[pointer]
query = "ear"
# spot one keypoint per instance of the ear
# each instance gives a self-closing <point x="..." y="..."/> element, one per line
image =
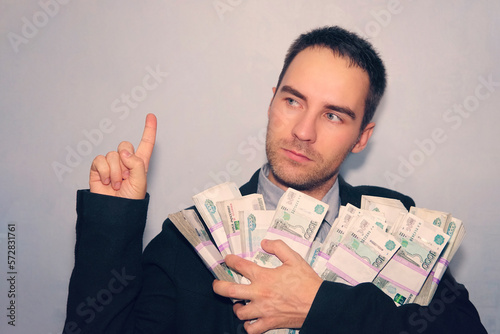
<point x="363" y="138"/>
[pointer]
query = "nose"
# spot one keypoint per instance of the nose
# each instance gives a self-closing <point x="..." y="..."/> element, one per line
<point x="305" y="128"/>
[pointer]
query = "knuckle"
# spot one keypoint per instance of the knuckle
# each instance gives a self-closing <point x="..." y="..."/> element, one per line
<point x="240" y="313"/>
<point x="98" y="159"/>
<point x="232" y="291"/>
<point x="267" y="294"/>
<point x="125" y="144"/>
<point x="262" y="274"/>
<point x="281" y="244"/>
<point x="99" y="164"/>
<point x="111" y="154"/>
<point x="257" y="327"/>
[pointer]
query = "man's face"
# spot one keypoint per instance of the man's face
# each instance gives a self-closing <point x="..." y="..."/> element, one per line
<point x="315" y="119"/>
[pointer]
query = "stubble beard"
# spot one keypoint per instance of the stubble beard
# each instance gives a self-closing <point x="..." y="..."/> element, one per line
<point x="306" y="179"/>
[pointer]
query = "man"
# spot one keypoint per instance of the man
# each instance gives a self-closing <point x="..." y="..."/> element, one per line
<point x="326" y="95"/>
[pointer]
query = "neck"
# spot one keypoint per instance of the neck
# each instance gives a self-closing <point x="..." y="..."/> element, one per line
<point x="317" y="192"/>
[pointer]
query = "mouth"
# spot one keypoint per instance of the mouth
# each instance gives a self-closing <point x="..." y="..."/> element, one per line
<point x="296" y="156"/>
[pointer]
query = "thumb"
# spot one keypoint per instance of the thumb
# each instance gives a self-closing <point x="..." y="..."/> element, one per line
<point x="135" y="165"/>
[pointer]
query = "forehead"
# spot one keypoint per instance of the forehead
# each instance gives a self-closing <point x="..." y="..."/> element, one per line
<point x="321" y="75"/>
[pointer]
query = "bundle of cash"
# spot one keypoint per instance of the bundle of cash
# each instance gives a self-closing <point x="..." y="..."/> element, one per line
<point x="391" y="208"/>
<point x="334" y="236"/>
<point x="455" y="229"/>
<point x="341" y="226"/>
<point x="296" y="222"/>
<point x="421" y="245"/>
<point x="403" y="253"/>
<point x="253" y="226"/>
<point x="313" y="254"/>
<point x="206" y="202"/>
<point x="188" y="223"/>
<point x="229" y="211"/>
<point x="362" y="253"/>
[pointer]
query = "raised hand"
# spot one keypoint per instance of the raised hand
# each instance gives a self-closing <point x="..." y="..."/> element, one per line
<point x="279" y="297"/>
<point x="123" y="173"/>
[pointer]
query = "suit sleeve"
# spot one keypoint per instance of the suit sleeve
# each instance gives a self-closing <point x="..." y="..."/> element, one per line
<point x="116" y="288"/>
<point x="107" y="275"/>
<point x="364" y="308"/>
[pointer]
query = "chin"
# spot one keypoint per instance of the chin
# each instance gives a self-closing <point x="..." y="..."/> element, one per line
<point x="302" y="179"/>
<point x="296" y="180"/>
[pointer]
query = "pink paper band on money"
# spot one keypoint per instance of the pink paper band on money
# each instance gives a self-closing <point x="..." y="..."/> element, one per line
<point x="290" y="236"/>
<point x="409" y="265"/>
<point x="434" y="278"/>
<point x="342" y="274"/>
<point x="216" y="227"/>
<point x="203" y="245"/>
<point x="216" y="264"/>
<point x="323" y="255"/>
<point x="223" y="246"/>
<point x="444" y="261"/>
<point x="205" y="249"/>
<point x="235" y="234"/>
<point x="398" y="284"/>
<point x="344" y="247"/>
<point x="440" y="268"/>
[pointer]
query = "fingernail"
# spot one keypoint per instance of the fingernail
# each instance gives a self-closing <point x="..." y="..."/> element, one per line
<point x="106" y="181"/>
<point x="117" y="185"/>
<point x="126" y="153"/>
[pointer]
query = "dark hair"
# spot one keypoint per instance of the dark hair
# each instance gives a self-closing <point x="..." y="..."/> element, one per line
<point x="358" y="51"/>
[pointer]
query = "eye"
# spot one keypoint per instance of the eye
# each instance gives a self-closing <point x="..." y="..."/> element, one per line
<point x="333" y="117"/>
<point x="292" y="102"/>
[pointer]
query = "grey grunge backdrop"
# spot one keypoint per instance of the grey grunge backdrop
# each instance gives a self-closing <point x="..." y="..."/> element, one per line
<point x="78" y="77"/>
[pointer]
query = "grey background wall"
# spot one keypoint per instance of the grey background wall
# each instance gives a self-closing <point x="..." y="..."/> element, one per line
<point x="77" y="77"/>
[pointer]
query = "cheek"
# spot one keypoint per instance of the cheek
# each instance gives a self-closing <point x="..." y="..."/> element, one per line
<point x="279" y="122"/>
<point x="337" y="142"/>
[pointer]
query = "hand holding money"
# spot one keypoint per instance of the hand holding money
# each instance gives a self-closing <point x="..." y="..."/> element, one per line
<point x="279" y="297"/>
<point x="384" y="244"/>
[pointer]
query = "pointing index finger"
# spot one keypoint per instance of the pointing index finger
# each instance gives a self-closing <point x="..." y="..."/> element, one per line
<point x="145" y="148"/>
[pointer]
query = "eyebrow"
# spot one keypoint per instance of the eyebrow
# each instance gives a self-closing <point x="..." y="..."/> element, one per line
<point x="344" y="110"/>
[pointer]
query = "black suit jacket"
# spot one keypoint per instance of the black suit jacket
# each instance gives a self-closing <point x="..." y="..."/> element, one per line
<point x="115" y="288"/>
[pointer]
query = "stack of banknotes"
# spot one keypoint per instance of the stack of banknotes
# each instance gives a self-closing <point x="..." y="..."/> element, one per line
<point x="405" y="254"/>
